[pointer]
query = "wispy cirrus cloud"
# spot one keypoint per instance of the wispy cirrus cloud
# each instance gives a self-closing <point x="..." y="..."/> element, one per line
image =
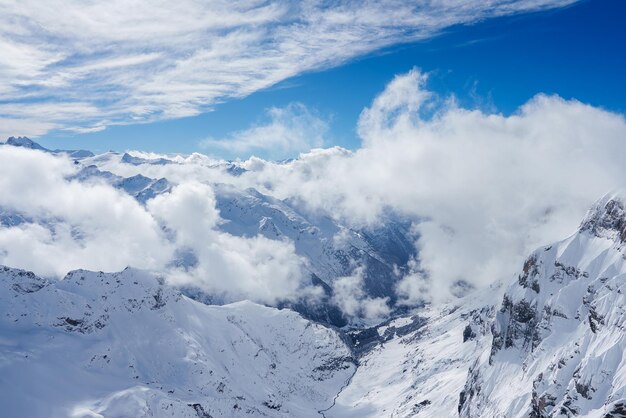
<point x="120" y="62"/>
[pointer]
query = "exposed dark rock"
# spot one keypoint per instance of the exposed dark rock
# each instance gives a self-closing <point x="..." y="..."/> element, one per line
<point x="468" y="333"/>
<point x="516" y="324"/>
<point x="73" y="322"/>
<point x="337" y="363"/>
<point x="541" y="404"/>
<point x="29" y="286"/>
<point x="272" y="405"/>
<point x="583" y="390"/>
<point x="159" y="300"/>
<point x="420" y="406"/>
<point x="618" y="410"/>
<point x="81" y="325"/>
<point x="529" y="273"/>
<point x="471" y="390"/>
<point x="610" y="217"/>
<point x="563" y="272"/>
<point x="200" y="410"/>
<point x="363" y="340"/>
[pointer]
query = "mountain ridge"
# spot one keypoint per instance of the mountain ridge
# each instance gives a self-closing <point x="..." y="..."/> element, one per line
<point x="548" y="343"/>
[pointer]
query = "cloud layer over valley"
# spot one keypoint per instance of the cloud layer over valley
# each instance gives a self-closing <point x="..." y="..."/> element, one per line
<point x="481" y="190"/>
<point x="54" y="224"/>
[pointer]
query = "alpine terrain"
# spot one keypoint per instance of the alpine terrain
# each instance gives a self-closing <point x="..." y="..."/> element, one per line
<point x="549" y="343"/>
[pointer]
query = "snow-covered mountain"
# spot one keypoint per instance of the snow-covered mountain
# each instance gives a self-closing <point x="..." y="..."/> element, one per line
<point x="553" y="347"/>
<point x="24" y="142"/>
<point x="558" y="337"/>
<point x="549" y="343"/>
<point x="126" y="345"/>
<point x="383" y="252"/>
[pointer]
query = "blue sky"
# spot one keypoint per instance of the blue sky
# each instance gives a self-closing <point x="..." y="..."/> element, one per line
<point x="576" y="51"/>
<point x="277" y="77"/>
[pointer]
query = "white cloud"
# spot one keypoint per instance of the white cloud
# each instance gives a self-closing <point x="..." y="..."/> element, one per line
<point x="70" y="225"/>
<point x="349" y="296"/>
<point x="233" y="267"/>
<point x="484" y="188"/>
<point x="289" y="131"/>
<point x="123" y="61"/>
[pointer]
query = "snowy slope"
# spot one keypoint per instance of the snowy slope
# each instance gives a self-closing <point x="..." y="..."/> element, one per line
<point x="418" y="364"/>
<point x="249" y="213"/>
<point x="120" y="345"/>
<point x="554" y="346"/>
<point x="559" y="335"/>
<point x="331" y="249"/>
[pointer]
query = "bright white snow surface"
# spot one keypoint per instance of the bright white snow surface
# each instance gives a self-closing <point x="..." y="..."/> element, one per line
<point x="124" y="345"/>
<point x="420" y="373"/>
<point x="128" y="345"/>
<point x="559" y="336"/>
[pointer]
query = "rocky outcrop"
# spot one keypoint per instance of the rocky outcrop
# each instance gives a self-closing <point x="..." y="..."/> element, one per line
<point x="558" y="336"/>
<point x="607" y="219"/>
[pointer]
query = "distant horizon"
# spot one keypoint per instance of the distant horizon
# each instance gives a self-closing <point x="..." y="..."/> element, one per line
<point x="312" y="208"/>
<point x="493" y="64"/>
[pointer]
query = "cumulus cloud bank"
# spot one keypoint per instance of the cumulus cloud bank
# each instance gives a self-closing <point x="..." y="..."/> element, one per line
<point x="259" y="268"/>
<point x="482" y="190"/>
<point x="80" y="66"/>
<point x="64" y="224"/>
<point x="70" y="225"/>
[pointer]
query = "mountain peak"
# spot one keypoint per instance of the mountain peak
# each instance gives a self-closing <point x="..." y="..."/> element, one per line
<point x="24" y="142"/>
<point x="130" y="159"/>
<point x="607" y="217"/>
